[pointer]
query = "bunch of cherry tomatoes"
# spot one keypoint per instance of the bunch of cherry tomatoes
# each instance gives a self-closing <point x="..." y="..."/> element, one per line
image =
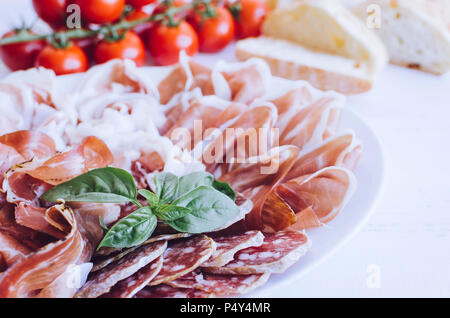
<point x="172" y="26"/>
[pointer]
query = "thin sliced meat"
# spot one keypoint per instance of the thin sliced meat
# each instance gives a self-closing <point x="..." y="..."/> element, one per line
<point x="90" y="154"/>
<point x="35" y="218"/>
<point x="183" y="257"/>
<point x="278" y="252"/>
<point x="227" y="246"/>
<point x="106" y="251"/>
<point x="103" y="280"/>
<point x="33" y="274"/>
<point x="166" y="291"/>
<point x="258" y="180"/>
<point x="9" y="157"/>
<point x="30" y="144"/>
<point x="341" y="151"/>
<point x="11" y="250"/>
<point x="221" y="285"/>
<point x="21" y="187"/>
<point x="317" y="198"/>
<point x="130" y="286"/>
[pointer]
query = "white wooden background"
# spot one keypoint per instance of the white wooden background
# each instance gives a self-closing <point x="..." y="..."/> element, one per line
<point x="404" y="251"/>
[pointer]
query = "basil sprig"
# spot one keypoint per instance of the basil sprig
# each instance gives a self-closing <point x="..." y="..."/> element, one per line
<point x="194" y="203"/>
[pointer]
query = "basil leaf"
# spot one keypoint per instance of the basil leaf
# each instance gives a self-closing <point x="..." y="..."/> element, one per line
<point x="166" y="185"/>
<point x="210" y="208"/>
<point x="132" y="230"/>
<point x="102" y="224"/>
<point x="151" y="197"/>
<point x="225" y="188"/>
<point x="192" y="181"/>
<point x="170" y="212"/>
<point x="103" y="185"/>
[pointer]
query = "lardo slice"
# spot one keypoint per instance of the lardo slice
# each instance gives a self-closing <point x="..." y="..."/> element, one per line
<point x="278" y="252"/>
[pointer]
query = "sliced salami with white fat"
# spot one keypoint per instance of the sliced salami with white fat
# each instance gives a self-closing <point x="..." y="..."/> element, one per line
<point x="278" y="252"/>
<point x="128" y="287"/>
<point x="101" y="281"/>
<point x="166" y="291"/>
<point x="184" y="256"/>
<point x="227" y="246"/>
<point x="221" y="285"/>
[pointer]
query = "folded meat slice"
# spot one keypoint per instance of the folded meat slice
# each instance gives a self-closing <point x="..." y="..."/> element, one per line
<point x="278" y="252"/>
<point x="30" y="144"/>
<point x="11" y="250"/>
<point x="340" y="151"/>
<point x="33" y="274"/>
<point x="183" y="257"/>
<point x="316" y="198"/>
<point x="221" y="285"/>
<point x="103" y="280"/>
<point x="258" y="177"/>
<point x="166" y="291"/>
<point x="227" y="246"/>
<point x="9" y="157"/>
<point x="130" y="286"/>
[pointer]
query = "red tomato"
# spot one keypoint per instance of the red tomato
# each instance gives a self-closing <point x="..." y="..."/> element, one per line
<point x="86" y="44"/>
<point x="63" y="61"/>
<point x="214" y="33"/>
<point x="140" y="3"/>
<point x="166" y="42"/>
<point x="250" y="18"/>
<point x="20" y="56"/>
<point x="100" y="11"/>
<point x="163" y="6"/>
<point x="141" y="29"/>
<point x="51" y="11"/>
<point x="130" y="47"/>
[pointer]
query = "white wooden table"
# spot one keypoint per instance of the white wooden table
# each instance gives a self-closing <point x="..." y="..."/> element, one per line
<point x="404" y="251"/>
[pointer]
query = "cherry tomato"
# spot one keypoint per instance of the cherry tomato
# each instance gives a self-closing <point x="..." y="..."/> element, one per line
<point x="51" y="11"/>
<point x="250" y="17"/>
<point x="141" y="29"/>
<point x="129" y="47"/>
<point x="140" y="3"/>
<point x="164" y="5"/>
<point x="87" y="45"/>
<point x="214" y="33"/>
<point x="100" y="11"/>
<point x="63" y="61"/>
<point x="166" y="42"/>
<point x="20" y="56"/>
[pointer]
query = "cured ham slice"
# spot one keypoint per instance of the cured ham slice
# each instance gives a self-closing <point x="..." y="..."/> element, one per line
<point x="9" y="157"/>
<point x="30" y="144"/>
<point x="183" y="257"/>
<point x="221" y="285"/>
<point x="317" y="198"/>
<point x="227" y="246"/>
<point x="128" y="287"/>
<point x="31" y="275"/>
<point x="341" y="151"/>
<point x="12" y="250"/>
<point x="166" y="291"/>
<point x="258" y="180"/>
<point x="102" y="281"/>
<point x="278" y="252"/>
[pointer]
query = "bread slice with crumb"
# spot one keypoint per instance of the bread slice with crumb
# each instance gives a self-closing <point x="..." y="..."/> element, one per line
<point x="416" y="33"/>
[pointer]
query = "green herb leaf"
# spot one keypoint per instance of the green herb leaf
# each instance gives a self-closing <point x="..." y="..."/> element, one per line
<point x="132" y="230"/>
<point x="166" y="185"/>
<point x="192" y="181"/>
<point x="151" y="197"/>
<point x="103" y="185"/>
<point x="225" y="188"/>
<point x="170" y="212"/>
<point x="211" y="210"/>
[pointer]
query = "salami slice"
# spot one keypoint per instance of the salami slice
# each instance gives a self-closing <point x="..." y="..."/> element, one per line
<point x="128" y="287"/>
<point x="183" y="257"/>
<point x="105" y="251"/>
<point x="221" y="285"/>
<point x="278" y="252"/>
<point x="166" y="291"/>
<point x="227" y="246"/>
<point x="102" y="280"/>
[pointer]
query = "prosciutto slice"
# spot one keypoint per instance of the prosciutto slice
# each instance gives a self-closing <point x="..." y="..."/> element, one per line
<point x="30" y="276"/>
<point x="30" y="144"/>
